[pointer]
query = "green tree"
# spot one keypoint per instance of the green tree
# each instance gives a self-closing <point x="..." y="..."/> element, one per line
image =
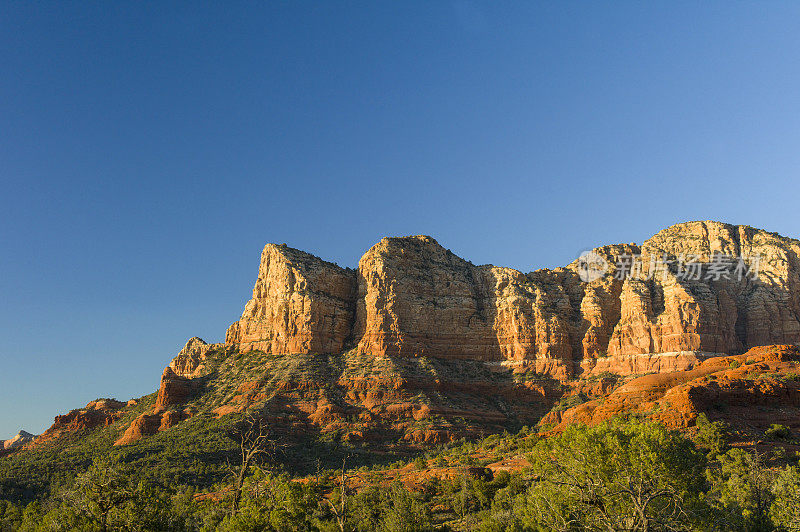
<point x="741" y="489"/>
<point x="10" y="516"/>
<point x="633" y="476"/>
<point x="712" y="435"/>
<point x="778" y="432"/>
<point x="366" y="509"/>
<point x="785" y="509"/>
<point x="404" y="512"/>
<point x="99" y="495"/>
<point x="272" y="503"/>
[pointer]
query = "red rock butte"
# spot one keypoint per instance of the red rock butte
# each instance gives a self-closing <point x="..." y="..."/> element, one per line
<point x="417" y="337"/>
<point x="411" y="297"/>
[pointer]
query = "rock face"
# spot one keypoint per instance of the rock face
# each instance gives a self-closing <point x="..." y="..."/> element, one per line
<point x="149" y="424"/>
<point x="190" y="360"/>
<point x="411" y="297"/>
<point x="19" y="440"/>
<point x="174" y="390"/>
<point x="98" y="413"/>
<point x="416" y="344"/>
<point x="712" y="315"/>
<point x="417" y="299"/>
<point x="300" y="304"/>
<point x="177" y="387"/>
<point x="749" y="391"/>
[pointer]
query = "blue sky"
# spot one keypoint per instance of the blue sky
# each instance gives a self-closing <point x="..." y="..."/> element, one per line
<point x="149" y="150"/>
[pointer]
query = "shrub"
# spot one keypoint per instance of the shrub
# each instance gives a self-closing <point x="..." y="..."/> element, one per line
<point x="778" y="432"/>
<point x="569" y="402"/>
<point x="712" y="435"/>
<point x="785" y="510"/>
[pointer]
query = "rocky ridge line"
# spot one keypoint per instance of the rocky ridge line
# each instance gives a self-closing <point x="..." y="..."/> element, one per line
<point x="411" y="297"/>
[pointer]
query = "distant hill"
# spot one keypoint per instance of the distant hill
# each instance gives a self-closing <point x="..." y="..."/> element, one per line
<point x="19" y="440"/>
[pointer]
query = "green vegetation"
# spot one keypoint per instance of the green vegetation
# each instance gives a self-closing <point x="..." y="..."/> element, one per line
<point x="194" y="455"/>
<point x="778" y="432"/>
<point x="242" y="473"/>
<point x="605" y="375"/>
<point x="629" y="475"/>
<point x="713" y="436"/>
<point x="569" y="402"/>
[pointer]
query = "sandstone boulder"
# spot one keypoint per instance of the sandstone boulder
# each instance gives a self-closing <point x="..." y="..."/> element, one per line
<point x="174" y="390"/>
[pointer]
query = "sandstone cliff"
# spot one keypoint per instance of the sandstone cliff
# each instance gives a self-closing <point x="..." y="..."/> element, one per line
<point x="411" y="297"/>
<point x="300" y="304"/>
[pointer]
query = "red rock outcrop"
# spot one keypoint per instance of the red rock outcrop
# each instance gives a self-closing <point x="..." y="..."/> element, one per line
<point x="416" y="298"/>
<point x="411" y="298"/>
<point x="144" y="425"/>
<point x="190" y="361"/>
<point x="151" y="423"/>
<point x="99" y="413"/>
<point x="724" y="315"/>
<point x="386" y="351"/>
<point x="174" y="390"/>
<point x="300" y="304"/>
<point x="751" y="390"/>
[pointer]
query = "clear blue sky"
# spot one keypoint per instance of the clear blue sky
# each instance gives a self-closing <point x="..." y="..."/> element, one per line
<point x="149" y="150"/>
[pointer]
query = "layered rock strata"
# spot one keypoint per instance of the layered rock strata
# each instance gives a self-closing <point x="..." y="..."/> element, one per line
<point x="300" y="304"/>
<point x="411" y="297"/>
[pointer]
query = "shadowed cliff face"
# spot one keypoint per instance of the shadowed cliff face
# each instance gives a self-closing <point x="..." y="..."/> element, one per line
<point x="411" y="297"/>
